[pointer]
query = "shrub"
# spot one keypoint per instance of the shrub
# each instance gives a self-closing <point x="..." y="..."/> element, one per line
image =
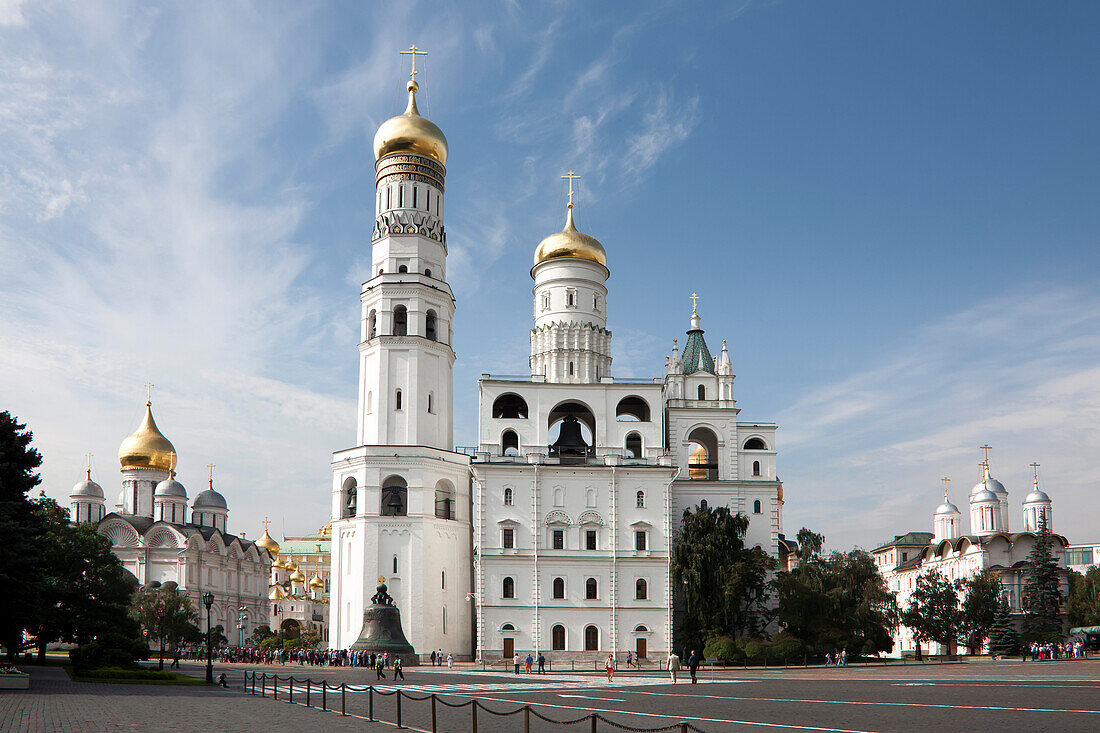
<point x="109" y="650"/>
<point x="722" y="647"/>
<point x="118" y="673"/>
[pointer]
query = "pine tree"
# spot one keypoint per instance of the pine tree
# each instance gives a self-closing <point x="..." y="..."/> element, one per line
<point x="20" y="533"/>
<point x="1042" y="595"/>
<point x="1003" y="637"/>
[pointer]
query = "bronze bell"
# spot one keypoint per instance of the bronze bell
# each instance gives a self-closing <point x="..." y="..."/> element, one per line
<point x="570" y="441"/>
<point x="382" y="630"/>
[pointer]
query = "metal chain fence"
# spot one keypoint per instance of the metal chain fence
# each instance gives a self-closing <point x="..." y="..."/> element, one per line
<point x="265" y="684"/>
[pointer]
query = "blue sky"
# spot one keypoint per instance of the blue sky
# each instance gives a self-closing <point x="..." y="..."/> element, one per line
<point x="888" y="209"/>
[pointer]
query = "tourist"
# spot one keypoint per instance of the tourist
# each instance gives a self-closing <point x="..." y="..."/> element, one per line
<point x="379" y="668"/>
<point x="450" y="661"/>
<point x="629" y="659"/>
<point x="527" y="664"/>
<point x="439" y="657"/>
<point x="515" y="662"/>
<point x="433" y="657"/>
<point x="673" y="666"/>
<point x="542" y="664"/>
<point x="693" y="665"/>
<point x="397" y="669"/>
<point x="222" y="681"/>
<point x="609" y="666"/>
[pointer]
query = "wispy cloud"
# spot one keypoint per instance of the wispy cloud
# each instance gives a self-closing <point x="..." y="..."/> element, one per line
<point x="665" y="125"/>
<point x="878" y="440"/>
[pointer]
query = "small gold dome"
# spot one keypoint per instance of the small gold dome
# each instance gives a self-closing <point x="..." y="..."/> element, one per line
<point x="570" y="243"/>
<point x="268" y="543"/>
<point x="297" y="576"/>
<point x="410" y="133"/>
<point x="276" y="593"/>
<point x="147" y="447"/>
<point x="316" y="582"/>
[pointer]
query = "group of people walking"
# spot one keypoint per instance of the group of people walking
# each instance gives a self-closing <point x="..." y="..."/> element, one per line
<point x="438" y="659"/>
<point x="674" y="664"/>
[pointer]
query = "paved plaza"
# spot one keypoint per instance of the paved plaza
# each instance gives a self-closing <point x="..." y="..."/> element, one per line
<point x="975" y="696"/>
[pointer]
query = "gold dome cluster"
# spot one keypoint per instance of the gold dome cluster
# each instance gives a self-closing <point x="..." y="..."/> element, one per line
<point x="410" y="133"/>
<point x="147" y="447"/>
<point x="570" y="243"/>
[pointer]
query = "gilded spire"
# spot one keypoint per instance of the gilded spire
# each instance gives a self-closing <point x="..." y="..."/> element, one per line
<point x="147" y="447"/>
<point x="1035" y="468"/>
<point x="410" y="132"/>
<point x="945" y="482"/>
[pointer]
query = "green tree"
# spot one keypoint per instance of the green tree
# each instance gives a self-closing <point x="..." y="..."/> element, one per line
<point x="979" y="607"/>
<point x="836" y="602"/>
<point x="20" y="534"/>
<point x="1042" y="593"/>
<point x="166" y="615"/>
<point x="260" y="633"/>
<point x="84" y="590"/>
<point x="725" y="585"/>
<point x="1003" y="637"/>
<point x="1083" y="608"/>
<point x="933" y="611"/>
<point x="217" y="636"/>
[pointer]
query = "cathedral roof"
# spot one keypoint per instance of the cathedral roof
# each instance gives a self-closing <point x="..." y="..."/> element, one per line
<point x="147" y="447"/>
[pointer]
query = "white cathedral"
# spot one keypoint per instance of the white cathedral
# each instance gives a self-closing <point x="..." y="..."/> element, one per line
<point x="554" y="533"/>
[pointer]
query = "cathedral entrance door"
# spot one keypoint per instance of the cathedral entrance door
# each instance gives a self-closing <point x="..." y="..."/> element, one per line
<point x="641" y="649"/>
<point x="509" y="648"/>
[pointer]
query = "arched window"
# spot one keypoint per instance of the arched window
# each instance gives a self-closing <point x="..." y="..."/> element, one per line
<point x="395" y="564"/>
<point x="703" y="505"/>
<point x="397" y="400"/>
<point x="443" y="579"/>
<point x="507" y="497"/>
<point x="703" y="455"/>
<point x="641" y="590"/>
<point x="591" y="639"/>
<point x="427" y="273"/>
<point x="395" y="497"/>
<point x="633" y="445"/>
<point x="431" y="402"/>
<point x="372" y="324"/>
<point x="641" y="499"/>
<point x="403" y="268"/>
<point x="444" y="500"/>
<point x="756" y="468"/>
<point x="591" y="589"/>
<point x="632" y="409"/>
<point x="510" y="406"/>
<point x="702" y="392"/>
<point x="508" y="588"/>
<point x="370" y="402"/>
<point x="380" y="270"/>
<point x="507" y="627"/>
<point x="400" y="321"/>
<point x="350" y="497"/>
<point x="557" y="638"/>
<point x="570" y="368"/>
<point x="559" y="497"/>
<point x="756" y="507"/>
<point x="429" y="325"/>
<point x="559" y="588"/>
<point x="590" y="498"/>
<point x="571" y="429"/>
<point x="509" y="443"/>
<point x="755" y="444"/>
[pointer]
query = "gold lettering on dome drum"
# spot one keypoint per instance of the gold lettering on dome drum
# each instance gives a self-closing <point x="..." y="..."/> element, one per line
<point x="398" y="158"/>
<point x="416" y="177"/>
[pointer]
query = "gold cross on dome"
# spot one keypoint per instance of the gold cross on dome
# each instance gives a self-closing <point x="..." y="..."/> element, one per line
<point x="89" y="468"/>
<point x="694" y="303"/>
<point x="266" y="523"/>
<point x="945" y="482"/>
<point x="572" y="177"/>
<point x="414" y="52"/>
<point x="149" y="392"/>
<point x="1035" y="467"/>
<point x="987" y="447"/>
<point x="211" y="467"/>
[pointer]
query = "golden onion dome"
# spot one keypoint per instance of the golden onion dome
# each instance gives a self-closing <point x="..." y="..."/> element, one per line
<point x="276" y="593"/>
<point x="316" y="582"/>
<point x="570" y="243"/>
<point x="147" y="447"/>
<point x="410" y="133"/>
<point x="268" y="543"/>
<point x="297" y="576"/>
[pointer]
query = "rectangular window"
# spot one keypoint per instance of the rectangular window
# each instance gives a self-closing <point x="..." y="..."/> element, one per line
<point x="639" y="539"/>
<point x="1079" y="556"/>
<point x="508" y="538"/>
<point x="590" y="539"/>
<point x="559" y="539"/>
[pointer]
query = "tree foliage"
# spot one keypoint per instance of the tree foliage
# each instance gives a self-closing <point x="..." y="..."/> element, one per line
<point x="167" y="615"/>
<point x="20" y="533"/>
<point x="1003" y="637"/>
<point x="1042" y="593"/>
<point x="840" y="601"/>
<point x="725" y="585"/>
<point x="1083" y="608"/>
<point x="979" y="607"/>
<point x="84" y="591"/>
<point x="933" y="612"/>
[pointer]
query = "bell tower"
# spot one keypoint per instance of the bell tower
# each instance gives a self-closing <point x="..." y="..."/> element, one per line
<point x="401" y="498"/>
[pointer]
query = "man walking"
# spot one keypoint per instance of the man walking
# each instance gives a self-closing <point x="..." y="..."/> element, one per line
<point x="175" y="658"/>
<point x="379" y="666"/>
<point x="542" y="664"/>
<point x="693" y="665"/>
<point x="397" y="669"/>
<point x="673" y="665"/>
<point x="515" y="662"/>
<point x="433" y="657"/>
<point x="527" y="664"/>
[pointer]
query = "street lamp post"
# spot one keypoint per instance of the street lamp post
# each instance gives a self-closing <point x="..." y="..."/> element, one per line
<point x="208" y="601"/>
